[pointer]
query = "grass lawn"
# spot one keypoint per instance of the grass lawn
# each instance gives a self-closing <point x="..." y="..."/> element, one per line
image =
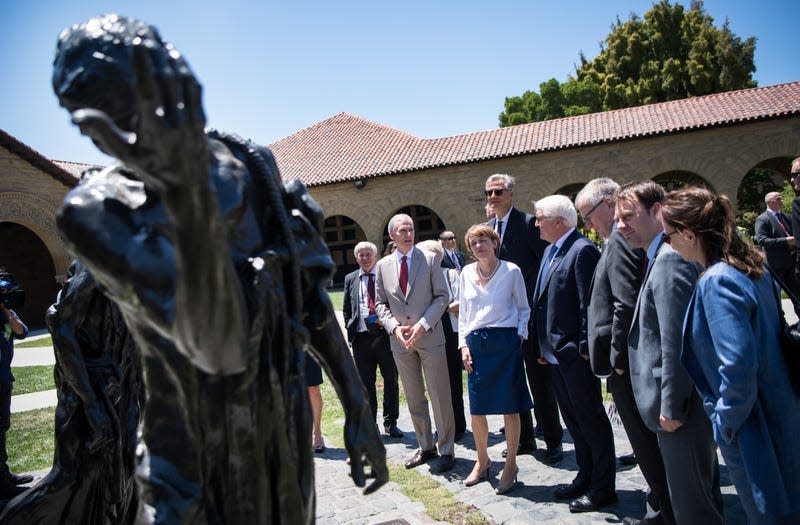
<point x="30" y="440"/>
<point x="29" y="379"/>
<point x="337" y="298"/>
<point x="35" y="343"/>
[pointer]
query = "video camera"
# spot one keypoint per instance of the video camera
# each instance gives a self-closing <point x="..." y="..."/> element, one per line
<point x="11" y="293"/>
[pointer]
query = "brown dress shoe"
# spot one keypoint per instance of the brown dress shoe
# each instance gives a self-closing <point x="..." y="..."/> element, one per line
<point x="420" y="457"/>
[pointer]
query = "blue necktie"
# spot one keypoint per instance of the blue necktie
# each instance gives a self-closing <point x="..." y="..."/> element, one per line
<point x="546" y="267"/>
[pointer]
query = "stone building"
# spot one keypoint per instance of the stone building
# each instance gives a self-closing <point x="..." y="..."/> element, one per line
<point x="362" y="172"/>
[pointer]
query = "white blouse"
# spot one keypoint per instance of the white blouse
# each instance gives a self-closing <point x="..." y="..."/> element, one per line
<point x="503" y="303"/>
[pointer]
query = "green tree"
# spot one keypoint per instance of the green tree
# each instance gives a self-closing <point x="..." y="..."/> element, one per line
<point x="668" y="54"/>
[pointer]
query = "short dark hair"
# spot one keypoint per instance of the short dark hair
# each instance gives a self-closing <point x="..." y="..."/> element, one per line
<point x="646" y="192"/>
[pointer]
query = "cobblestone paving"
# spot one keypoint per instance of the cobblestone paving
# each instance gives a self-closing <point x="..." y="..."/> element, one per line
<point x="532" y="501"/>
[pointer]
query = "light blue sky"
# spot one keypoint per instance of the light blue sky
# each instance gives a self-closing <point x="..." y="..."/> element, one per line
<point x="430" y="68"/>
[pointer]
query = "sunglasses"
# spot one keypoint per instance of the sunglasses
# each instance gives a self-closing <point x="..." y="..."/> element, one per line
<point x="447" y="238"/>
<point x="668" y="235"/>
<point x="489" y="193"/>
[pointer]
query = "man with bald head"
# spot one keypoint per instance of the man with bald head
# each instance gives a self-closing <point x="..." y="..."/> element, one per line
<point x="773" y="233"/>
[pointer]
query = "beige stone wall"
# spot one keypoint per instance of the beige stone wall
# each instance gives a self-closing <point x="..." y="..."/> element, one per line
<point x="30" y="197"/>
<point x="721" y="156"/>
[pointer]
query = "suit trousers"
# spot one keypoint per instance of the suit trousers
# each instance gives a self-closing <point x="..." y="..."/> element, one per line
<point x="545" y="407"/>
<point x="690" y="460"/>
<point x="432" y="362"/>
<point x="645" y="445"/>
<point x="581" y="403"/>
<point x="370" y="351"/>
<point x="455" y="369"/>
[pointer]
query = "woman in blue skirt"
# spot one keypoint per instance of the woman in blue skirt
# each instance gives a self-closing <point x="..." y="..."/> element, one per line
<point x="493" y="322"/>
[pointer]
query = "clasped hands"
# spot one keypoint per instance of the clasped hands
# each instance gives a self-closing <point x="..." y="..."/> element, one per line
<point x="409" y="335"/>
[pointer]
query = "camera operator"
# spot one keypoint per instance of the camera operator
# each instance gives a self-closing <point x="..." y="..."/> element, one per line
<point x="11" y="327"/>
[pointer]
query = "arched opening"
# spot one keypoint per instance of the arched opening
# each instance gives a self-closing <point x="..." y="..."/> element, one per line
<point x="571" y="190"/>
<point x="427" y="224"/>
<point x="676" y="180"/>
<point x="341" y="234"/>
<point x="766" y="176"/>
<point x="26" y="256"/>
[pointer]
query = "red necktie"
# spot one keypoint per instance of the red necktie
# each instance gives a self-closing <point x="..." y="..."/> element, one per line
<point x="371" y="293"/>
<point x="782" y="222"/>
<point x="403" y="274"/>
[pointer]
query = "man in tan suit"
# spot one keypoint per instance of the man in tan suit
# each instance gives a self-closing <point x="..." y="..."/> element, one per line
<point x="411" y="296"/>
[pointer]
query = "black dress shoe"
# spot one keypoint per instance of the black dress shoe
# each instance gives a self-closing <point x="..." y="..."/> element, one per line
<point x="393" y="431"/>
<point x="575" y="489"/>
<point x="522" y="449"/>
<point x="593" y="502"/>
<point x="443" y="464"/>
<point x="420" y="457"/>
<point x="20" y="479"/>
<point x="628" y="459"/>
<point x="552" y="455"/>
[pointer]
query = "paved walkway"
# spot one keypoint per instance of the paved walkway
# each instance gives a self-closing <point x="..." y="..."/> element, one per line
<point x="339" y="501"/>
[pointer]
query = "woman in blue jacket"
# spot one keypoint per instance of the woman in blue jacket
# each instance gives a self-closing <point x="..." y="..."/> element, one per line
<point x="731" y="348"/>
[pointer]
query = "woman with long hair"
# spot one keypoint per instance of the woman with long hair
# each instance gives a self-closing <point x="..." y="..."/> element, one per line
<point x="731" y="348"/>
<point x="492" y="324"/>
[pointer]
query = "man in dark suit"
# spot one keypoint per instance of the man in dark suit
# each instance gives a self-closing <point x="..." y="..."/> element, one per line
<point x="559" y="320"/>
<point x="774" y="235"/>
<point x="615" y="288"/>
<point x="369" y="340"/>
<point x="521" y="244"/>
<point x="794" y="178"/>
<point x="411" y="296"/>
<point x="453" y="258"/>
<point x="664" y="392"/>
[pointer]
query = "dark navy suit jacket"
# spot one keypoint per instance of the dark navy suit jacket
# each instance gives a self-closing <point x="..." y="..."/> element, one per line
<point x="560" y="306"/>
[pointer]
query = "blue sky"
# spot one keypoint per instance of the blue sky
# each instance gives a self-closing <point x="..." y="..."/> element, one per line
<point x="430" y="68"/>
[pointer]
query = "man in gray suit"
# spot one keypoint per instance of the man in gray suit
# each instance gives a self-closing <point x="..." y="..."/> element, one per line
<point x="412" y="295"/>
<point x="773" y="230"/>
<point x="664" y="392"/>
<point x="614" y="291"/>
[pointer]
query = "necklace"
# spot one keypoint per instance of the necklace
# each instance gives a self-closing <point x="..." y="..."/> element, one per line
<point x="488" y="278"/>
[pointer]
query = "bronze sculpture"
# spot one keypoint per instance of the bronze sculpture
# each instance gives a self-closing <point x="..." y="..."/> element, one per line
<point x="100" y="390"/>
<point x="218" y="268"/>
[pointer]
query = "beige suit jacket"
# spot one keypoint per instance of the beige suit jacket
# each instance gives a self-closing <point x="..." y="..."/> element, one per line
<point x="425" y="300"/>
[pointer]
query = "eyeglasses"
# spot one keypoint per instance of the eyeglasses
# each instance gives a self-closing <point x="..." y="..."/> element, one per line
<point x="489" y="193"/>
<point x="586" y="217"/>
<point x="668" y="235"/>
<point x="447" y="238"/>
<point x="543" y="218"/>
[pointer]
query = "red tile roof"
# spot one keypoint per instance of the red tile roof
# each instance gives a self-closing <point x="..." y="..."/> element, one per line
<point x="346" y="147"/>
<point x="35" y="158"/>
<point x="76" y="169"/>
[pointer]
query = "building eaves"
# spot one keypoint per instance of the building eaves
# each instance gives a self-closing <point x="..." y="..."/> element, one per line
<point x="346" y="147"/>
<point x="38" y="160"/>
